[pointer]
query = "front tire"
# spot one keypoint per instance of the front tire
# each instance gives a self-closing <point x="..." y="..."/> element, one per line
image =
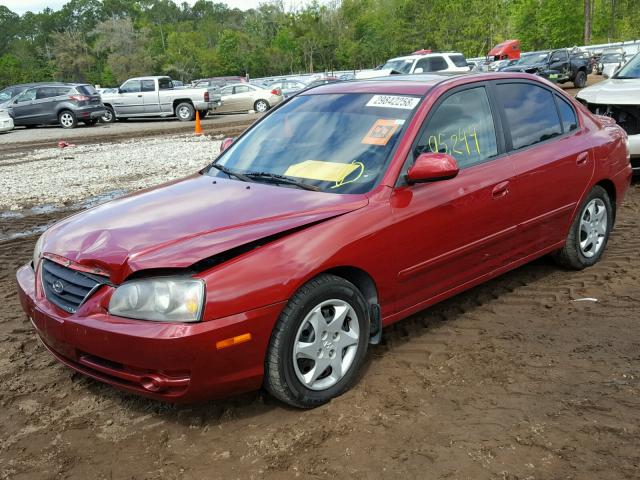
<point x="67" y="119"/>
<point x="185" y="112"/>
<point x="109" y="115"/>
<point x="589" y="232"/>
<point x="318" y="344"/>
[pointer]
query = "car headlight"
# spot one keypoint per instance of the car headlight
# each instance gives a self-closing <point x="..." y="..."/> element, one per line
<point x="37" y="252"/>
<point x="159" y="299"/>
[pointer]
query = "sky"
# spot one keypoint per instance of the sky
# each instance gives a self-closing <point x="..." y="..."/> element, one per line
<point x="21" y="6"/>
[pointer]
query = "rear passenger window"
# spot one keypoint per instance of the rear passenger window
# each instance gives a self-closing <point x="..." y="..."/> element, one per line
<point x="148" y="86"/>
<point x="531" y="113"/>
<point x="567" y="115"/>
<point x="461" y="126"/>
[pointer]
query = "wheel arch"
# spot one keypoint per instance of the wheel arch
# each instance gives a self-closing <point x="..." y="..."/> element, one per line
<point x="610" y="188"/>
<point x="361" y="279"/>
<point x="178" y="101"/>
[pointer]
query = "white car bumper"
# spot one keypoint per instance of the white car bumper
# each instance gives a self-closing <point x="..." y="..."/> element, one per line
<point x="634" y="151"/>
<point x="6" y="124"/>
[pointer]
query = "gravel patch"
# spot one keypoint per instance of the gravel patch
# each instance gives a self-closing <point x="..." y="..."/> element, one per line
<point x="60" y="177"/>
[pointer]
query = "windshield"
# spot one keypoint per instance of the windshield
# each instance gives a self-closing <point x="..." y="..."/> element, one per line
<point x="612" y="58"/>
<point x="533" y="59"/>
<point x="339" y="143"/>
<point x="631" y="69"/>
<point x="8" y="93"/>
<point x="402" y="66"/>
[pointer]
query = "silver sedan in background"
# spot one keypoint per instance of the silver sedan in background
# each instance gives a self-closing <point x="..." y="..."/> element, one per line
<point x="241" y="97"/>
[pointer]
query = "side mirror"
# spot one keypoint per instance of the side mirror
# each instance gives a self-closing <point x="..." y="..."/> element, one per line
<point x="419" y="70"/>
<point x="120" y="90"/>
<point x="431" y="167"/>
<point x="226" y="143"/>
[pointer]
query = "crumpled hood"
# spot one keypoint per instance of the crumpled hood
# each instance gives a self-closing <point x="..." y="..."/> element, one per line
<point x="613" y="92"/>
<point x="180" y="223"/>
<point x="524" y="68"/>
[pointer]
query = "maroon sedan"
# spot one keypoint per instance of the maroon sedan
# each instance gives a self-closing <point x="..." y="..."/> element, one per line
<point x="348" y="208"/>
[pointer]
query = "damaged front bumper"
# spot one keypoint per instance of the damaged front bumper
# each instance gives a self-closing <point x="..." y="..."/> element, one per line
<point x="628" y="117"/>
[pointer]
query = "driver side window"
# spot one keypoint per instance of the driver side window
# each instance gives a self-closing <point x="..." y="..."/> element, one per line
<point x="462" y="126"/>
<point x="26" y="96"/>
<point x="132" y="86"/>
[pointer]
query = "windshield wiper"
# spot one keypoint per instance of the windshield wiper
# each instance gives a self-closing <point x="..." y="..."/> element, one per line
<point x="275" y="178"/>
<point x="231" y="173"/>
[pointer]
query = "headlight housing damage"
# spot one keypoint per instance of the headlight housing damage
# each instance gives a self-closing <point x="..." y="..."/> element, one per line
<point x="159" y="299"/>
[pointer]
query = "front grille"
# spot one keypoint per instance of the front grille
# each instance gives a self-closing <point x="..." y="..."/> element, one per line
<point x="67" y="288"/>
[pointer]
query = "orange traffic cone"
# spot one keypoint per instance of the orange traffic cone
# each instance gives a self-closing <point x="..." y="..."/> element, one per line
<point x="198" y="125"/>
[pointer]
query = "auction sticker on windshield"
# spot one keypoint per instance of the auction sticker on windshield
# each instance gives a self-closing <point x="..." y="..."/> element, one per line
<point x="393" y="101"/>
<point x="323" y="171"/>
<point x="381" y="132"/>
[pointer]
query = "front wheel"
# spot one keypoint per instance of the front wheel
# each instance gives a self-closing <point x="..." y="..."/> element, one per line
<point x="581" y="79"/>
<point x="67" y="119"/>
<point x="318" y="344"/>
<point x="589" y="232"/>
<point x="109" y="115"/>
<point x="261" y="106"/>
<point x="185" y="112"/>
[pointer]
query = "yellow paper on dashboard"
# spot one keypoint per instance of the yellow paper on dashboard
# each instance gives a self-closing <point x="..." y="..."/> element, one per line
<point x="323" y="171"/>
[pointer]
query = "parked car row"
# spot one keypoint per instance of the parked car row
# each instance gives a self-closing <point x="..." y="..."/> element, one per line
<point x="68" y="104"/>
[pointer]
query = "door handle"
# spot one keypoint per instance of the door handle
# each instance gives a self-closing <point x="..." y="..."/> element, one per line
<point x="500" y="190"/>
<point x="139" y="96"/>
<point x="582" y="159"/>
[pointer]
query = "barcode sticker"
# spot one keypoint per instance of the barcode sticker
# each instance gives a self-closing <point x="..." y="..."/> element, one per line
<point x="393" y="101"/>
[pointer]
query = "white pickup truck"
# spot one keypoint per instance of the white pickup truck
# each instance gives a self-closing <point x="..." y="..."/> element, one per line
<point x="157" y="97"/>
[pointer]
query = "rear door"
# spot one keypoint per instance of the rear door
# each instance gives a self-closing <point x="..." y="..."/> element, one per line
<point x="453" y="231"/>
<point x="551" y="157"/>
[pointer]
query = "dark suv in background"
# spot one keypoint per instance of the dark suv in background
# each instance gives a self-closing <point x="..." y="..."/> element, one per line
<point x="65" y="104"/>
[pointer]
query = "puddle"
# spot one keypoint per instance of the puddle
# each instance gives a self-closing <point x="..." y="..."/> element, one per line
<point x="49" y="209"/>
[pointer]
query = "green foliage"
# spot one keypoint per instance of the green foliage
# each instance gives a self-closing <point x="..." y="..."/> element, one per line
<point x="107" y="41"/>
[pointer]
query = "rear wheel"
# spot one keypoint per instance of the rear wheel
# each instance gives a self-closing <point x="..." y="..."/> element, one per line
<point x="185" y="112"/>
<point x="261" y="106"/>
<point x="109" y="115"/>
<point x="67" y="119"/>
<point x="318" y="344"/>
<point x="581" y="79"/>
<point x="589" y="232"/>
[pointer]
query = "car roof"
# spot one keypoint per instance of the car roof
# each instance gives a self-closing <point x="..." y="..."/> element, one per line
<point x="416" y="84"/>
<point x="423" y="55"/>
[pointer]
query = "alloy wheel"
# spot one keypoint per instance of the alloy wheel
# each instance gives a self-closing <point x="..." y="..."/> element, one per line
<point x="593" y="227"/>
<point x="66" y="119"/>
<point x="326" y="344"/>
<point x="261" y="106"/>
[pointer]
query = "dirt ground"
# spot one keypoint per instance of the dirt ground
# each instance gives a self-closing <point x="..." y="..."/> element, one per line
<point x="511" y="380"/>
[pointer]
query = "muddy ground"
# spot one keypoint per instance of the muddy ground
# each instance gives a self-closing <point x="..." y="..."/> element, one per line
<point x="511" y="380"/>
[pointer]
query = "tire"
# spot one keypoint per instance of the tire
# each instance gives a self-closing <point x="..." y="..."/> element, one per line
<point x="589" y="232"/>
<point x="581" y="79"/>
<point x="203" y="113"/>
<point x="91" y="123"/>
<point x="109" y="116"/>
<point x="185" y="112"/>
<point x="67" y="119"/>
<point x="261" y="106"/>
<point x="306" y="378"/>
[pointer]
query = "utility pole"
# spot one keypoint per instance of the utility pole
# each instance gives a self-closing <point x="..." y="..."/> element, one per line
<point x="587" y="22"/>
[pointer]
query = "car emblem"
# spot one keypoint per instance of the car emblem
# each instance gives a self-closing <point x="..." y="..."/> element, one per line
<point x="57" y="286"/>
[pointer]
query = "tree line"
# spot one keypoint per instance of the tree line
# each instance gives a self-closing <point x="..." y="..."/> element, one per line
<point x="107" y="41"/>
